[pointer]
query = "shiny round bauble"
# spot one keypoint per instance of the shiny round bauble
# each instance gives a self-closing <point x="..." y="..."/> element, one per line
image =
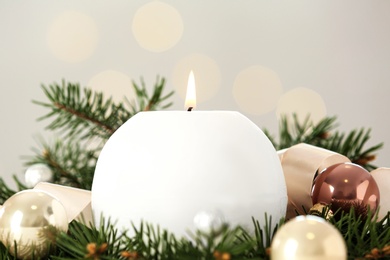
<point x="308" y="238"/>
<point x="344" y="186"/>
<point x="30" y="219"/>
<point x="176" y="169"/>
<point x="38" y="173"/>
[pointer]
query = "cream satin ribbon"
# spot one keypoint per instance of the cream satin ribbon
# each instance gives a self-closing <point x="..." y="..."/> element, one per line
<point x="77" y="202"/>
<point x="382" y="178"/>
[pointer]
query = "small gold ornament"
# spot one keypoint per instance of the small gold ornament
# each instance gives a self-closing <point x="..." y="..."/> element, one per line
<point x="376" y="253"/>
<point x="30" y="220"/>
<point x="221" y="255"/>
<point x="129" y="255"/>
<point x="321" y="210"/>
<point x="94" y="251"/>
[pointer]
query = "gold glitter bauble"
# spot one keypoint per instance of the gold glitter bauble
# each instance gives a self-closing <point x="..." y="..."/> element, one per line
<point x="30" y="219"/>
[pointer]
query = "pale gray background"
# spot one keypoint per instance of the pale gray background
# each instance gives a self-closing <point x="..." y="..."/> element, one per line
<point x="337" y="51"/>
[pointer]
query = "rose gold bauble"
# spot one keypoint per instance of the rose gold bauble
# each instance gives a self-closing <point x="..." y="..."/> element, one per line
<point x="346" y="185"/>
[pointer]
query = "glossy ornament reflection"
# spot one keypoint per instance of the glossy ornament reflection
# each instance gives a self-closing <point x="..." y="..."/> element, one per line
<point x="207" y="221"/>
<point x="28" y="219"/>
<point x="308" y="238"/>
<point x="344" y="186"/>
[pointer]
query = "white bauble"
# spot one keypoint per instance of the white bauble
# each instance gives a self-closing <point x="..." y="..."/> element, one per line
<point x="175" y="168"/>
<point x="38" y="173"/>
<point x="308" y="238"/>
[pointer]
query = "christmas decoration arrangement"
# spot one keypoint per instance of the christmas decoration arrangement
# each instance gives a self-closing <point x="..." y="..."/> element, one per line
<point x="310" y="193"/>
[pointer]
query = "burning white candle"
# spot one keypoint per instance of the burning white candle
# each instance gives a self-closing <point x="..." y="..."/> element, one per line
<point x="170" y="167"/>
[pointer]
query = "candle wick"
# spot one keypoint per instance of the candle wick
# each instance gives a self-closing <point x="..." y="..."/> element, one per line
<point x="190" y="109"/>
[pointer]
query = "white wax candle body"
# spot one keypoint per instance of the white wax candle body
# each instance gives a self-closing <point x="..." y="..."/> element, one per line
<point x="166" y="167"/>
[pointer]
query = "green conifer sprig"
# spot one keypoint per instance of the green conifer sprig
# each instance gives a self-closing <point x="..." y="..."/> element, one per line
<point x="353" y="145"/>
<point x="322" y="134"/>
<point x="86" y="242"/>
<point x="72" y="162"/>
<point x="84" y="112"/>
<point x="363" y="234"/>
<point x="151" y="242"/>
<point x="6" y="191"/>
<point x="295" y="132"/>
<point x="363" y="238"/>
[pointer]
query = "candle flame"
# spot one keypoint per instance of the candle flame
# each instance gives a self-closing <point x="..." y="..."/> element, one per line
<point x="191" y="92"/>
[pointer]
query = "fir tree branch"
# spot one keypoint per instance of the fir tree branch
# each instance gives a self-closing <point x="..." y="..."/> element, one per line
<point x="85" y="242"/>
<point x="362" y="238"/>
<point x="362" y="235"/>
<point x="6" y="192"/>
<point x="72" y="163"/>
<point x="146" y="103"/>
<point x="367" y="238"/>
<point x="87" y="113"/>
<point x="352" y="145"/>
<point x="150" y="242"/>
<point x="291" y="133"/>
<point x="75" y="111"/>
<point x="85" y="117"/>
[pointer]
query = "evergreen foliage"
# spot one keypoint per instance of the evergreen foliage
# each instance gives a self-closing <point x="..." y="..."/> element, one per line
<point x="86" y="114"/>
<point x="352" y="144"/>
<point x="367" y="238"/>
